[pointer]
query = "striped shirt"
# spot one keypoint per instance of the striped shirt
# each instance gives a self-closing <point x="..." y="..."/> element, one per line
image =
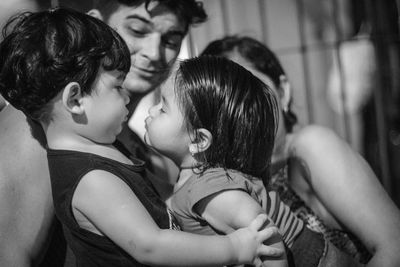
<point x="212" y="181"/>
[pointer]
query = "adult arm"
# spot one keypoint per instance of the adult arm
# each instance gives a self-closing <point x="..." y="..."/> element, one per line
<point x="117" y="213"/>
<point x="229" y="210"/>
<point x="345" y="184"/>
<point x="2" y="103"/>
<point x="12" y="251"/>
<point x="26" y="211"/>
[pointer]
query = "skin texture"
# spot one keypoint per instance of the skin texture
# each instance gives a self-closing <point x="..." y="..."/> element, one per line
<point x="165" y="130"/>
<point x="343" y="190"/>
<point x="25" y="197"/>
<point x="25" y="194"/>
<point x="337" y="183"/>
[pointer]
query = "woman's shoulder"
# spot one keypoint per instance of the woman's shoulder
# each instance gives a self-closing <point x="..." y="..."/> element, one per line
<point x="316" y="141"/>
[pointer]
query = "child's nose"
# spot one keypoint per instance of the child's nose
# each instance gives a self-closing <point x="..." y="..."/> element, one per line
<point x="153" y="109"/>
<point x="127" y="98"/>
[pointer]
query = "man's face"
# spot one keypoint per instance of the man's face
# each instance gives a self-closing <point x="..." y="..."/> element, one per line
<point x="154" y="36"/>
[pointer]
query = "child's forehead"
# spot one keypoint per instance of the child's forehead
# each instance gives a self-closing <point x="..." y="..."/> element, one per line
<point x="169" y="84"/>
<point x="168" y="90"/>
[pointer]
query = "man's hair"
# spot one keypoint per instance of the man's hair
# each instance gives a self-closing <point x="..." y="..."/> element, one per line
<point x="189" y="11"/>
<point x="259" y="55"/>
<point x="44" y="51"/>
<point x="238" y="109"/>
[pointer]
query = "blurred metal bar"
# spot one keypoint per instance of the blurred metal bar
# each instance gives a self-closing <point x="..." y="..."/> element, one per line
<point x="304" y="59"/>
<point x="192" y="49"/>
<point x="262" y="6"/>
<point x="342" y="77"/>
<point x="376" y="14"/>
<point x="398" y="14"/>
<point x="225" y="17"/>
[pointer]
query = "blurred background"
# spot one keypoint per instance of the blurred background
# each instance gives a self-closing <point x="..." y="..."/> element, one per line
<point x="341" y="57"/>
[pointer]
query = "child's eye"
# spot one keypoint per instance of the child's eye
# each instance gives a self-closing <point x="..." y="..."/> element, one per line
<point x="119" y="88"/>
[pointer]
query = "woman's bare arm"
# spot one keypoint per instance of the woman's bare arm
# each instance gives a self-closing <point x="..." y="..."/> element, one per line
<point x="350" y="191"/>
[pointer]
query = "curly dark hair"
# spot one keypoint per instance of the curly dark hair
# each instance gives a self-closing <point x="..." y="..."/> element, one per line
<point x="44" y="51"/>
<point x="238" y="109"/>
<point x="260" y="56"/>
<point x="191" y="12"/>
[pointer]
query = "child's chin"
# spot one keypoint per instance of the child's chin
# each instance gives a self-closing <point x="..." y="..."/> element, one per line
<point x="147" y="139"/>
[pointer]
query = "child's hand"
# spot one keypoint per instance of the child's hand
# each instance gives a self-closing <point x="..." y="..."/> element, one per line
<point x="248" y="242"/>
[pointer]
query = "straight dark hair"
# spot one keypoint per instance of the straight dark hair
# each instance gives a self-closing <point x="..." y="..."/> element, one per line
<point x="237" y="108"/>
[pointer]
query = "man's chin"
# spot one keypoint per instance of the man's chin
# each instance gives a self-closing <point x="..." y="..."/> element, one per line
<point x="137" y="85"/>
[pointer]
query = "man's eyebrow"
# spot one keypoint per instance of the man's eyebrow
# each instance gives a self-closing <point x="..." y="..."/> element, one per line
<point x="139" y="17"/>
<point x="181" y="32"/>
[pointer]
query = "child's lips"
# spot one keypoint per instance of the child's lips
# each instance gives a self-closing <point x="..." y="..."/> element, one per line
<point x="126" y="116"/>
<point x="146" y="122"/>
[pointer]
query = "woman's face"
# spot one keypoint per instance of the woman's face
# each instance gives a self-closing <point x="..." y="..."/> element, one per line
<point x="281" y="133"/>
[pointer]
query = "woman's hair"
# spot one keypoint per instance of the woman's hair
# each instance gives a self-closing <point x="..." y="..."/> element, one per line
<point x="238" y="109"/>
<point x="189" y="11"/>
<point x="42" y="52"/>
<point x="262" y="59"/>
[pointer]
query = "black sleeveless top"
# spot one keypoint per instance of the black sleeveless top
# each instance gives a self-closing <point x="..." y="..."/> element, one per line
<point x="66" y="169"/>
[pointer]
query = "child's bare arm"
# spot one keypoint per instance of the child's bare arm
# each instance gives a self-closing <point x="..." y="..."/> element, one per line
<point x="115" y="211"/>
<point x="233" y="209"/>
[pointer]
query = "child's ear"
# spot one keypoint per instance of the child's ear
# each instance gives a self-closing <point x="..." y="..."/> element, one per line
<point x="203" y="142"/>
<point x="72" y="98"/>
<point x="95" y="13"/>
<point x="285" y="92"/>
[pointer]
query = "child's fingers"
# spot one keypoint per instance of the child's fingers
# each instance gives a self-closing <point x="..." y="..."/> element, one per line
<point x="258" y="222"/>
<point x="269" y="232"/>
<point x="270" y="251"/>
<point x="257" y="262"/>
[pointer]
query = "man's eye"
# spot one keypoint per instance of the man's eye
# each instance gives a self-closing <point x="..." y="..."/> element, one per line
<point x="173" y="41"/>
<point x="138" y="32"/>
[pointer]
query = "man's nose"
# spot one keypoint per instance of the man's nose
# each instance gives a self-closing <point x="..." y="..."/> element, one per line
<point x="152" y="49"/>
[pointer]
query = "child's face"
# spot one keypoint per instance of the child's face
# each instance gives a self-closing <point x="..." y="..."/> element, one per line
<point x="105" y="107"/>
<point x="165" y="127"/>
